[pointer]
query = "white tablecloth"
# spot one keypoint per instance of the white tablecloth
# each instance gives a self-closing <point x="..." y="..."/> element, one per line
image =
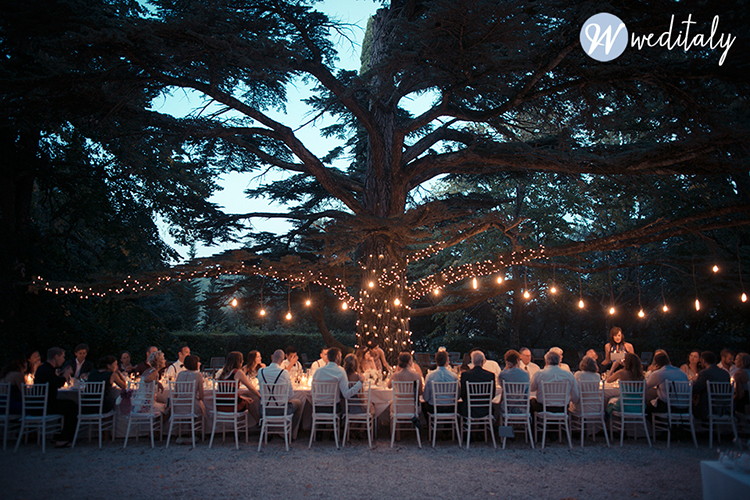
<point x="721" y="483"/>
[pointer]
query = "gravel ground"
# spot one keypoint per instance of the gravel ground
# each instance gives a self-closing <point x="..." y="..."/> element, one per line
<point x="405" y="471"/>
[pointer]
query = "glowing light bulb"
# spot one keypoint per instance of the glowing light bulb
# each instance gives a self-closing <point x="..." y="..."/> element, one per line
<point x="234" y="302"/>
<point x="371" y="284"/>
<point x="641" y="313"/>
<point x="553" y="289"/>
<point x="743" y="297"/>
<point x="436" y="291"/>
<point x="288" y="315"/>
<point x="344" y="306"/>
<point x="665" y="308"/>
<point x="500" y="280"/>
<point x="581" y="304"/>
<point x="262" y="312"/>
<point x="715" y="268"/>
<point x="308" y="302"/>
<point x="396" y="301"/>
<point x="474" y="283"/>
<point x="526" y="295"/>
<point x="697" y="305"/>
<point x="612" y="310"/>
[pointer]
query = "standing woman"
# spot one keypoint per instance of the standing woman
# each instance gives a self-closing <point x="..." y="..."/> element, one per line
<point x="693" y="365"/>
<point x="616" y="348"/>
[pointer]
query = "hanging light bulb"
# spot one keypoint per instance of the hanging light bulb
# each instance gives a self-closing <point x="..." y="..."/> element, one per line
<point x="612" y="310"/>
<point x="500" y="280"/>
<point x="665" y="308"/>
<point x="581" y="304"/>
<point x="308" y="302"/>
<point x="553" y="289"/>
<point x="234" y="302"/>
<point x="262" y="312"/>
<point x="641" y="313"/>
<point x="715" y="268"/>
<point x="436" y="291"/>
<point x="288" y="315"/>
<point x="371" y="284"/>
<point x="474" y="283"/>
<point x="743" y="297"/>
<point x="396" y="301"/>
<point x="344" y="305"/>
<point x="697" y="304"/>
<point x="526" y="295"/>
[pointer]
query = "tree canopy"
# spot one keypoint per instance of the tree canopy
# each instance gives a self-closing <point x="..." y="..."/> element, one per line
<point x="528" y="155"/>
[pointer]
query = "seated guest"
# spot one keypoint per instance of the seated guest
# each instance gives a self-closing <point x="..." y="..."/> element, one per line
<point x="526" y="364"/>
<point x="663" y="372"/>
<point x="378" y="356"/>
<point x="404" y="371"/>
<point x="179" y="365"/>
<point x="107" y="371"/>
<point x="588" y="371"/>
<point x="654" y="365"/>
<point x="439" y="374"/>
<point x="560" y="353"/>
<point x="332" y="372"/>
<point x="475" y="374"/>
<point x="727" y="361"/>
<point x="253" y="364"/>
<point x="80" y="365"/>
<point x="693" y="365"/>
<point x="489" y="365"/>
<point x="513" y="372"/>
<point x="632" y="369"/>
<point x="232" y="370"/>
<point x="124" y="364"/>
<point x="13" y="373"/>
<point x="154" y="365"/>
<point x="51" y="373"/>
<point x="616" y="348"/>
<point x="192" y="364"/>
<point x="366" y="360"/>
<point x="711" y="373"/>
<point x="465" y="362"/>
<point x="33" y="361"/>
<point x="275" y="374"/>
<point x="143" y="366"/>
<point x="741" y="395"/>
<point x="291" y="363"/>
<point x="351" y="367"/>
<point x="322" y="361"/>
<point x="552" y="372"/>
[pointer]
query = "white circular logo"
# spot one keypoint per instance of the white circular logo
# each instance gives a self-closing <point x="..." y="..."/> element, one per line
<point x="604" y="37"/>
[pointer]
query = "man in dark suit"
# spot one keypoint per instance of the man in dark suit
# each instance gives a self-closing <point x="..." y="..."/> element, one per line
<point x="711" y="373"/>
<point x="80" y="365"/>
<point x="476" y="374"/>
<point x="49" y="373"/>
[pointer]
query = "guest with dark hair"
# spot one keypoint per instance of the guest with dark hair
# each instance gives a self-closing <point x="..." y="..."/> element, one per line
<point x="513" y="372"/>
<point x="726" y="362"/>
<point x="662" y="372"/>
<point x="351" y="367"/>
<point x="711" y="373"/>
<point x="233" y="371"/>
<point x="13" y="372"/>
<point x="588" y="370"/>
<point x="291" y="362"/>
<point x="632" y="370"/>
<point x="191" y="373"/>
<point x="616" y="348"/>
<point x="333" y="372"/>
<point x="253" y="364"/>
<point x="404" y="371"/>
<point x="51" y="372"/>
<point x="33" y="361"/>
<point x="440" y="374"/>
<point x="79" y="364"/>
<point x="107" y="371"/>
<point x="143" y="366"/>
<point x="693" y="365"/>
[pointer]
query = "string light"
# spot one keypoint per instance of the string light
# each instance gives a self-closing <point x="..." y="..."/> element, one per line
<point x="526" y="295"/>
<point x="396" y="301"/>
<point x="612" y="310"/>
<point x="344" y="306"/>
<point x="371" y="284"/>
<point x="262" y="312"/>
<point x="500" y="279"/>
<point x="697" y="304"/>
<point x="581" y="304"/>
<point x="474" y="283"/>
<point x="743" y="297"/>
<point x="436" y="292"/>
<point x="665" y="308"/>
<point x="641" y="313"/>
<point x="553" y="290"/>
<point x="715" y="269"/>
<point x="234" y="302"/>
<point x="308" y="302"/>
<point x="288" y="316"/>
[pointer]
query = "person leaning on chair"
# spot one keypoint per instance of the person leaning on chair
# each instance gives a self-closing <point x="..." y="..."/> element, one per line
<point x="476" y="374"/>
